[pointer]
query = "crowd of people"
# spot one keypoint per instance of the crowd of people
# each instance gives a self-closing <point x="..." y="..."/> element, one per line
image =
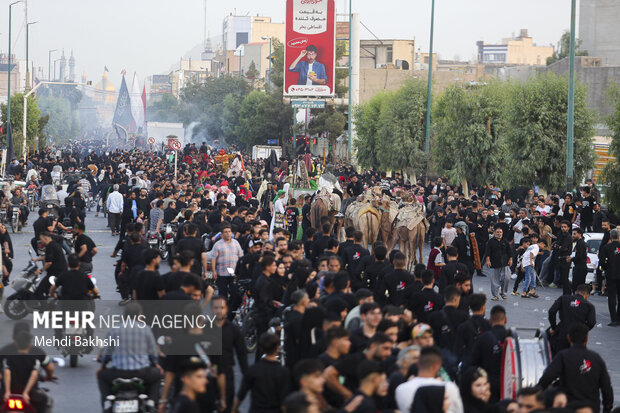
<point x="362" y="332"/>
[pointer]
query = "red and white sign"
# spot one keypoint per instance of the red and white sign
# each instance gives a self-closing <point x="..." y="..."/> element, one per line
<point x="151" y="140"/>
<point x="310" y="52"/>
<point x="174" y="144"/>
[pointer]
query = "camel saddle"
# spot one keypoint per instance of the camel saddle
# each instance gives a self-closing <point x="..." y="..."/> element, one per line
<point x="410" y="216"/>
<point x="330" y="199"/>
<point x="357" y="209"/>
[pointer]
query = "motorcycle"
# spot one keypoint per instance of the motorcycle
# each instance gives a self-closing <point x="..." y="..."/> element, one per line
<point x="3" y="215"/>
<point x="245" y="316"/>
<point x="22" y="302"/>
<point x="128" y="396"/>
<point x="74" y="352"/>
<point x="32" y="203"/>
<point x="16" y="222"/>
<point x="16" y="404"/>
<point x="67" y="234"/>
<point x="168" y="237"/>
<point x="157" y="243"/>
<point x="49" y="200"/>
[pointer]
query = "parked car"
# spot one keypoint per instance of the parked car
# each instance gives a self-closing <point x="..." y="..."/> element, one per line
<point x="593" y="241"/>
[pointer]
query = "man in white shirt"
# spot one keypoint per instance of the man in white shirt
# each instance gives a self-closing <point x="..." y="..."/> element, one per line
<point x="428" y="368"/>
<point x="115" y="209"/>
<point x="518" y="227"/>
<point x="62" y="194"/>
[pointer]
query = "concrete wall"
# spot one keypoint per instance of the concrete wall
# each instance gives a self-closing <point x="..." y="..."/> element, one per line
<point x="273" y="30"/>
<point x="599" y="29"/>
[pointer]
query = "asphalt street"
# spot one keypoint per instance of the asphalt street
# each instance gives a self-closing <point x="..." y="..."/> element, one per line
<point x="76" y="389"/>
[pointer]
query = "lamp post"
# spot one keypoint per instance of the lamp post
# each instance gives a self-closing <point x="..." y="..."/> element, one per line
<point x="571" y="103"/>
<point x="28" y="80"/>
<point x="268" y="38"/>
<point x="49" y="65"/>
<point x="57" y="60"/>
<point x="9" y="134"/>
<point x="430" y="79"/>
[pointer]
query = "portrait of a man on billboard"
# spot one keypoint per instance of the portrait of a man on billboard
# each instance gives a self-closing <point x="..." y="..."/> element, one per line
<point x="310" y="71"/>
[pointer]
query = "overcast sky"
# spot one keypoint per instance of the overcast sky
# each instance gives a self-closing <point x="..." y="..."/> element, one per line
<point x="148" y="36"/>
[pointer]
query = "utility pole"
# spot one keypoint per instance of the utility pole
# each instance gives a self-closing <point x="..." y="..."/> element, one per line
<point x="571" y="104"/>
<point x="28" y="80"/>
<point x="10" y="150"/>
<point x="430" y="83"/>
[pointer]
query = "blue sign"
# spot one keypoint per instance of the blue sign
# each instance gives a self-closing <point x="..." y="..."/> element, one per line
<point x="272" y="141"/>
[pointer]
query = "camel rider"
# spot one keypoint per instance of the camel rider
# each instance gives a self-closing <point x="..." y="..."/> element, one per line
<point x="328" y="183"/>
<point x="354" y="189"/>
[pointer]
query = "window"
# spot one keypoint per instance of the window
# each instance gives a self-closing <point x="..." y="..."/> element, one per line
<point x="389" y="54"/>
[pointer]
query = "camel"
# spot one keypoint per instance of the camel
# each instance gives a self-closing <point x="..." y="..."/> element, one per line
<point x="409" y="232"/>
<point x="319" y="209"/>
<point x="364" y="215"/>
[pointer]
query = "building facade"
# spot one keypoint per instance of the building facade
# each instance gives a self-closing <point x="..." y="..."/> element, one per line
<point x="520" y="50"/>
<point x="599" y="29"/>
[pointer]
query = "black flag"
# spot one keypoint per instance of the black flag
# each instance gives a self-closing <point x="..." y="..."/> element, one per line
<point x="122" y="114"/>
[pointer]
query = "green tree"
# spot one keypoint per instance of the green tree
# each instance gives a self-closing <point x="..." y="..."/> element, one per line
<point x="467" y="122"/>
<point x="328" y="121"/>
<point x="230" y="117"/>
<point x="262" y="117"/>
<point x="164" y="110"/>
<point x="17" y="121"/>
<point x="366" y="119"/>
<point x="611" y="174"/>
<point x="252" y="73"/>
<point x="563" y="48"/>
<point x="535" y="135"/>
<point x="401" y="129"/>
<point x="61" y="125"/>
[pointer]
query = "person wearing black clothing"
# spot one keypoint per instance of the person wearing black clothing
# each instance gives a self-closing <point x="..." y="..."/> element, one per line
<point x="587" y="213"/>
<point x="598" y="218"/>
<point x="349" y="233"/>
<point x="305" y="216"/>
<point x="148" y="284"/>
<point x="292" y="217"/>
<point x="373" y="267"/>
<point x="54" y="263"/>
<point x="572" y="309"/>
<point x="233" y="343"/>
<point x="445" y="322"/>
<point x="321" y="241"/>
<point x="561" y="252"/>
<point x="580" y="267"/>
<point x="499" y="256"/>
<point x="352" y="257"/>
<point x="462" y="245"/>
<point x="193" y="376"/>
<point x="265" y="304"/>
<point x="423" y="303"/>
<point x="74" y="282"/>
<point x="293" y="326"/>
<point x="131" y="263"/>
<point x="379" y="348"/>
<point x="606" y="229"/>
<point x="192" y="243"/>
<point x="340" y="282"/>
<point x="452" y="269"/>
<point x="392" y="286"/>
<point x="610" y="263"/>
<point x="582" y="373"/>
<point x="488" y="349"/>
<point x="467" y="332"/>
<point x="267" y="379"/>
<point x="85" y="248"/>
<point x="371" y="377"/>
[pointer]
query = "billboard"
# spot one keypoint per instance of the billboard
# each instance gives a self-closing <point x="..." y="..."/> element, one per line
<point x="310" y="52"/>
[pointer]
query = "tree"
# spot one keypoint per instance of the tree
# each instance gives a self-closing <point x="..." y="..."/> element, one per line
<point x="611" y="174"/>
<point x="61" y="125"/>
<point x="467" y="122"/>
<point x="262" y="117"/>
<point x="17" y="121"/>
<point x="401" y="129"/>
<point x="252" y="74"/>
<point x="164" y="110"/>
<point x="366" y="119"/>
<point x="563" y="48"/>
<point x="230" y="117"/>
<point x="331" y="123"/>
<point x="535" y="136"/>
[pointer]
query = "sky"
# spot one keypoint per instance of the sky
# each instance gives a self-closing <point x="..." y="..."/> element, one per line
<point x="149" y="36"/>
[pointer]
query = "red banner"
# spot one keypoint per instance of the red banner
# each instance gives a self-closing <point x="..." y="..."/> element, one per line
<point x="310" y="52"/>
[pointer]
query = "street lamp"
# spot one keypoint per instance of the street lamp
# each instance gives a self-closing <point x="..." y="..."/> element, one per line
<point x="268" y="38"/>
<point x="49" y="64"/>
<point x="571" y="103"/>
<point x="9" y="134"/>
<point x="28" y="80"/>
<point x="430" y="79"/>
<point x="57" y="60"/>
